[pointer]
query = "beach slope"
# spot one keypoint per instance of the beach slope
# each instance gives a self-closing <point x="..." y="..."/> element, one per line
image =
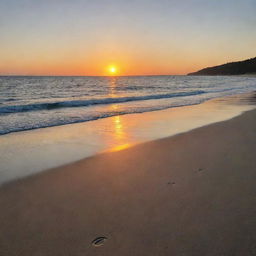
<point x="190" y="194"/>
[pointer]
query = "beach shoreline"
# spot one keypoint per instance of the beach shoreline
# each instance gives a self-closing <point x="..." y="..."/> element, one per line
<point x="189" y="194"/>
<point x="30" y="152"/>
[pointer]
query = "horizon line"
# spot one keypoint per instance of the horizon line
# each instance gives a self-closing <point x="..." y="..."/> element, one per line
<point x="3" y="75"/>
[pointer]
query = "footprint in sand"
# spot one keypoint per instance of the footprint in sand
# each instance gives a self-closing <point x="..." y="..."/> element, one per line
<point x="99" y="241"/>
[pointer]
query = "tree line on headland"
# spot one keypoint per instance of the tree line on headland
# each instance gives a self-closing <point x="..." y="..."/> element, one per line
<point x="232" y="68"/>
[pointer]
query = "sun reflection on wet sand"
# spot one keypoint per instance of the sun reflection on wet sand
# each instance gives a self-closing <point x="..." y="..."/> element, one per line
<point x="119" y="134"/>
<point x="118" y="127"/>
<point x="121" y="147"/>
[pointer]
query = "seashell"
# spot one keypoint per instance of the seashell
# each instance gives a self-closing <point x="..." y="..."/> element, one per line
<point x="99" y="241"/>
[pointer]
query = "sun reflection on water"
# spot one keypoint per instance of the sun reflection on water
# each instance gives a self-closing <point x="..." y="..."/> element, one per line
<point x="112" y="87"/>
<point x="119" y="129"/>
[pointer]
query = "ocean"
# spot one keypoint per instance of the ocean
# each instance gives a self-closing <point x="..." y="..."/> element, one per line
<point x="37" y="102"/>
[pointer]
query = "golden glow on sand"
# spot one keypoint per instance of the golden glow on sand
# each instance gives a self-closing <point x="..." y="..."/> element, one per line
<point x="120" y="135"/>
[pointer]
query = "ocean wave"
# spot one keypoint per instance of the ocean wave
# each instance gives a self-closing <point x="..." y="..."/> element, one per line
<point x="84" y="103"/>
<point x="31" y="126"/>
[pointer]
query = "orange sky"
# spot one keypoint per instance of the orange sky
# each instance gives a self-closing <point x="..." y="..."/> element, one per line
<point x="139" y="37"/>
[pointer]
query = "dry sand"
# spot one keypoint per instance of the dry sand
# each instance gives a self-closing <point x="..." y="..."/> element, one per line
<point x="191" y="194"/>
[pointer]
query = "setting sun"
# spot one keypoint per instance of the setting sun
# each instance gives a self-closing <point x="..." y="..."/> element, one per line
<point x="112" y="70"/>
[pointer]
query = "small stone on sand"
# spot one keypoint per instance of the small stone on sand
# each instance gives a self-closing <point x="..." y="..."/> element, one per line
<point x="99" y="241"/>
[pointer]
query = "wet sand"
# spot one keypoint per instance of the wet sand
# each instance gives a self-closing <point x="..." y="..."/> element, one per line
<point x="30" y="152"/>
<point x="190" y="194"/>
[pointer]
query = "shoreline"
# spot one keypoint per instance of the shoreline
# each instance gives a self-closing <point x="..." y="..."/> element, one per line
<point x="125" y="147"/>
<point x="30" y="152"/>
<point x="189" y="194"/>
<point x="95" y="120"/>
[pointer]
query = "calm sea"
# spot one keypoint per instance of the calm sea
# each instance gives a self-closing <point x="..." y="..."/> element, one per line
<point x="36" y="102"/>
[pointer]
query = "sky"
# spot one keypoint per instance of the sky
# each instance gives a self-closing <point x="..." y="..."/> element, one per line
<point x="138" y="37"/>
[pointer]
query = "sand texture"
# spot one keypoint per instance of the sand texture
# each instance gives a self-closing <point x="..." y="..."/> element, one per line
<point x="191" y="194"/>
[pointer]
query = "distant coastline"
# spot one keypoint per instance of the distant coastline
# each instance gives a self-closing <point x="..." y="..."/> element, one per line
<point x="246" y="67"/>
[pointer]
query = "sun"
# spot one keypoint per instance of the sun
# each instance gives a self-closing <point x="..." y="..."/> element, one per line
<point x="112" y="70"/>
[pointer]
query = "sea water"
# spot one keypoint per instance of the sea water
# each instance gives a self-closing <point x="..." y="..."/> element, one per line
<point x="37" y="102"/>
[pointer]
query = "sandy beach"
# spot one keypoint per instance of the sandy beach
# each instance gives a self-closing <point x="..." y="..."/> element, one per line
<point x="190" y="194"/>
<point x="128" y="128"/>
